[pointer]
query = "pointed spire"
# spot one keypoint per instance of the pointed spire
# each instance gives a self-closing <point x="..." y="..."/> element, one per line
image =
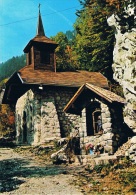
<point x="40" y="29"/>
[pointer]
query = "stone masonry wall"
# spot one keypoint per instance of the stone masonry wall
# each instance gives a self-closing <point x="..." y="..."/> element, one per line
<point x="45" y="119"/>
<point x="112" y="135"/>
<point x="58" y="123"/>
<point x="24" y="104"/>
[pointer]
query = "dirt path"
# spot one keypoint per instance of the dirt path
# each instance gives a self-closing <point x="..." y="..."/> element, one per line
<point x="21" y="175"/>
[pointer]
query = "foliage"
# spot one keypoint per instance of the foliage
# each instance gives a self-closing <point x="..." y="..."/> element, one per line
<point x="116" y="177"/>
<point x="64" y="53"/>
<point x="7" y="118"/>
<point x="2" y="84"/>
<point x="7" y="121"/>
<point x="116" y="88"/>
<point x="10" y="66"/>
<point x="128" y="177"/>
<point x="112" y="166"/>
<point x="70" y="36"/>
<point x="95" y="39"/>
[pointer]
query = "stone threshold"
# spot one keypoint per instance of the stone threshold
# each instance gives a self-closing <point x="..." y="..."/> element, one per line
<point x="93" y="159"/>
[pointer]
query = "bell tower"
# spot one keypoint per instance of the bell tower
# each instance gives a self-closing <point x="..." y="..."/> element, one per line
<point x="40" y="51"/>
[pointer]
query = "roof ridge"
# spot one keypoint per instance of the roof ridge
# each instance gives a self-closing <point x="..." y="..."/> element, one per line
<point x="108" y="91"/>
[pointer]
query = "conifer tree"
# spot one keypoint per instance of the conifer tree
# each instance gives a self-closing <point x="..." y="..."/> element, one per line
<point x="65" y="59"/>
<point x="95" y="39"/>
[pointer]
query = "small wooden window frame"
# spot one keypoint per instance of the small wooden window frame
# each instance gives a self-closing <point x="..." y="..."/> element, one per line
<point x="95" y="122"/>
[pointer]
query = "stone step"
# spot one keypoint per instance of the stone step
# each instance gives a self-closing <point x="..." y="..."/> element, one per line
<point x="92" y="160"/>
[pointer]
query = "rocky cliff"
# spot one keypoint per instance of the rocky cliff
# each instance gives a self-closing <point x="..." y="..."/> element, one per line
<point x="124" y="58"/>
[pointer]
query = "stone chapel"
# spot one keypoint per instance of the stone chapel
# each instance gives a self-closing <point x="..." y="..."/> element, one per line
<point x="51" y="105"/>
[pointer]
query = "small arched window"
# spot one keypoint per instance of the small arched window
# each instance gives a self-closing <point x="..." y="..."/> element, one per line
<point x="93" y="113"/>
<point x="97" y="122"/>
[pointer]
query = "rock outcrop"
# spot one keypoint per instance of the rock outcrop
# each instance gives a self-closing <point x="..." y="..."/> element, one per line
<point x="124" y="58"/>
<point x="128" y="149"/>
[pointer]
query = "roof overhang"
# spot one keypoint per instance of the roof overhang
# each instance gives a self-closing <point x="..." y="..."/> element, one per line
<point x="15" y="88"/>
<point x="40" y="40"/>
<point x="87" y="93"/>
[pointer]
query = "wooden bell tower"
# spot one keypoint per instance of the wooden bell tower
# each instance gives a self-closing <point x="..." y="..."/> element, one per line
<point x="40" y="50"/>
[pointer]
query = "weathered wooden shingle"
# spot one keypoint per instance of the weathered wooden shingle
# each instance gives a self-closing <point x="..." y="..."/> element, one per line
<point x="75" y="79"/>
<point x="103" y="93"/>
<point x="39" y="39"/>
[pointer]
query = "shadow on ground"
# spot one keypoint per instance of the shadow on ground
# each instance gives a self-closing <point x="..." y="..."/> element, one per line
<point x="13" y="172"/>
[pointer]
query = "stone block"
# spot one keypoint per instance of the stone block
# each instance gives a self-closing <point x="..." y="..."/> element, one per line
<point x="133" y="147"/>
<point x="108" y="130"/>
<point x="133" y="140"/>
<point x="107" y="136"/>
<point x="106" y="120"/>
<point x="81" y="139"/>
<point x="109" y="142"/>
<point x="106" y="125"/>
<point x="101" y="138"/>
<point x="91" y="139"/>
<point x="103" y="143"/>
<point x="103" y="106"/>
<point x="108" y="149"/>
<point x="37" y="127"/>
<point x="106" y="114"/>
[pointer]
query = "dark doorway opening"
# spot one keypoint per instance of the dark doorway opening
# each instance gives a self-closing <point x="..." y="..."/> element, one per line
<point x="24" y="128"/>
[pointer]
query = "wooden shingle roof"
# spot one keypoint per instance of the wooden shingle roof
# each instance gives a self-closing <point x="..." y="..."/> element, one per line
<point x="71" y="79"/>
<point x="103" y="93"/>
<point x="39" y="39"/>
<point x="106" y="94"/>
<point x="27" y="77"/>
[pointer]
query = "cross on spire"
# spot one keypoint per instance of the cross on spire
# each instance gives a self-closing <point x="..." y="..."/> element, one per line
<point x="39" y="7"/>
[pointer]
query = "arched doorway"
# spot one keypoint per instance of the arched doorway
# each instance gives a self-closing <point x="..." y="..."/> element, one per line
<point x="24" y="128"/>
<point x="92" y="112"/>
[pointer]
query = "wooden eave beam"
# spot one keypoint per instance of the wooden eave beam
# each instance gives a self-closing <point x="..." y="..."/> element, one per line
<point x="100" y="94"/>
<point x="73" y="98"/>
